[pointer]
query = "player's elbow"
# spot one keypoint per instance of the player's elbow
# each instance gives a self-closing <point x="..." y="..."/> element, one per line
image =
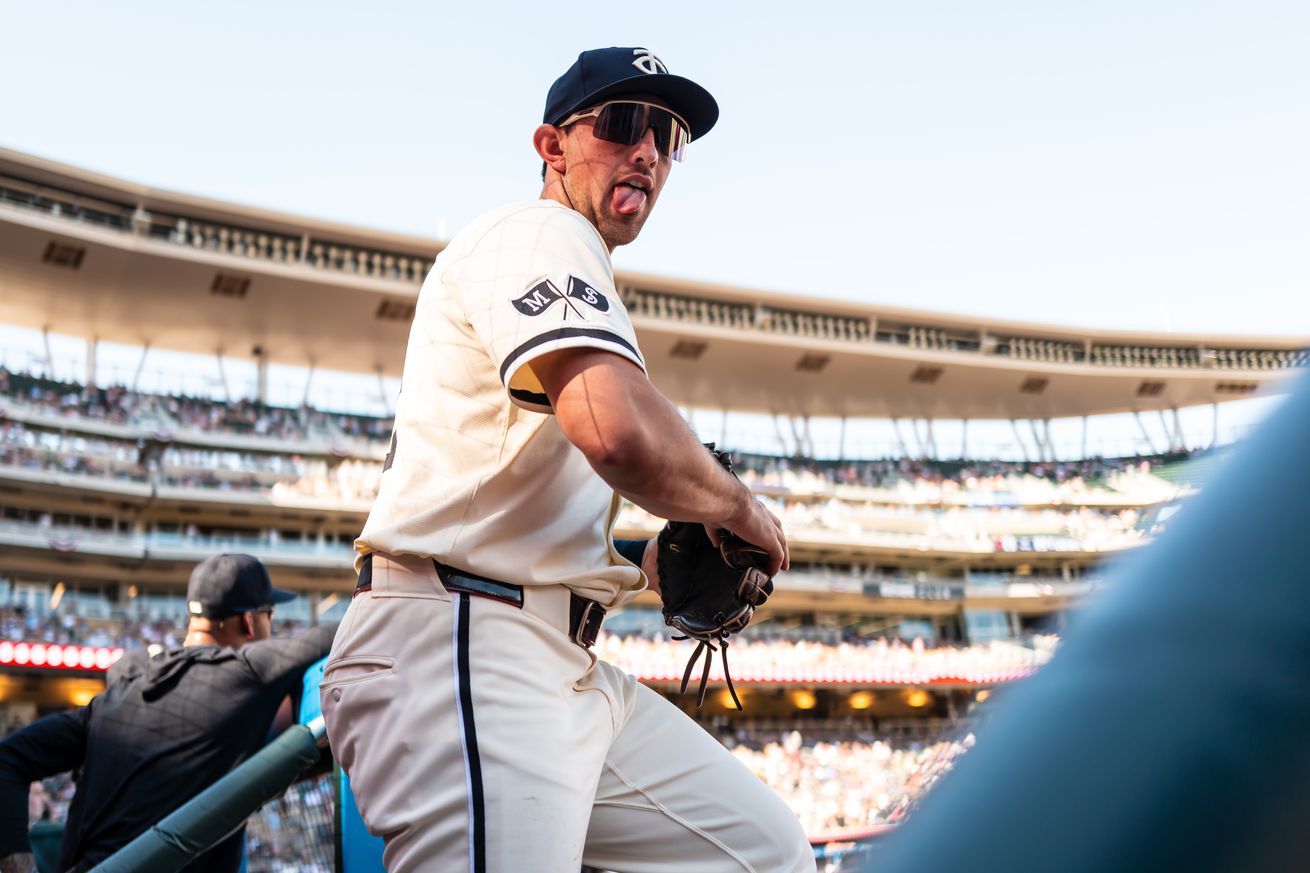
<point x="619" y="449"/>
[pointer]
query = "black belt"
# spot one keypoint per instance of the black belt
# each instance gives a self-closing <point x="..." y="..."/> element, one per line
<point x="585" y="616"/>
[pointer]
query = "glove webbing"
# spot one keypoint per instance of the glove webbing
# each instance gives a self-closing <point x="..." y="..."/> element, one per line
<point x="701" y="645"/>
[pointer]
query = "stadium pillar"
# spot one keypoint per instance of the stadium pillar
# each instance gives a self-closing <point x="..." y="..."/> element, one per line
<point x="222" y="377"/>
<point x="1041" y="429"/>
<point x="49" y="355"/>
<point x="1083" y="455"/>
<point x="1141" y="425"/>
<point x="309" y="381"/>
<point x="841" y="439"/>
<point x="782" y="440"/>
<point x="1018" y="438"/>
<point x="261" y="383"/>
<point x="1173" y="429"/>
<point x="964" y="439"/>
<point x="1038" y="441"/>
<point x="900" y="438"/>
<point x="929" y="441"/>
<point x="1214" y="425"/>
<point x="806" y="438"/>
<point x="92" y="347"/>
<point x="386" y="400"/>
<point x="140" y="365"/>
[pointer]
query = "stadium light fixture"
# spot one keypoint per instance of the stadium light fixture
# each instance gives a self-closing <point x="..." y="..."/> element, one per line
<point x="917" y="697"/>
<point x="861" y="700"/>
<point x="803" y="698"/>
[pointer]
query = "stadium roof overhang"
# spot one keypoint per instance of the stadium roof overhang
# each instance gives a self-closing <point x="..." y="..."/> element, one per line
<point x="129" y="283"/>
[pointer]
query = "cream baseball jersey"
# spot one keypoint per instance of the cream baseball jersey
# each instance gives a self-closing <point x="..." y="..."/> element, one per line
<point x="479" y="474"/>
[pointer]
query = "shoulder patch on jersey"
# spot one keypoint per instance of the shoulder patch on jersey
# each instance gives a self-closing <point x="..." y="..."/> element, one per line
<point x="580" y="290"/>
<point x="544" y="294"/>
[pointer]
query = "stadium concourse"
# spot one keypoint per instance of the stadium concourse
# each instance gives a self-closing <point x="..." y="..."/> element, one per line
<point x="921" y="584"/>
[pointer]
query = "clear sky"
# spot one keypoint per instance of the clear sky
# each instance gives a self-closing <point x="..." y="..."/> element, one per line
<point x="1118" y="164"/>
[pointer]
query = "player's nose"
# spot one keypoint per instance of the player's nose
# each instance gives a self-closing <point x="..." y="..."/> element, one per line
<point x="644" y="150"/>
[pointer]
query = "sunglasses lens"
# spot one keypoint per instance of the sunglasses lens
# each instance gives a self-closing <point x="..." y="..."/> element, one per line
<point x="626" y="123"/>
<point x="623" y="123"/>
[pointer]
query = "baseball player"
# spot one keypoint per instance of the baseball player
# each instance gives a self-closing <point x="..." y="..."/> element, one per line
<point x="479" y="731"/>
<point x="167" y="725"/>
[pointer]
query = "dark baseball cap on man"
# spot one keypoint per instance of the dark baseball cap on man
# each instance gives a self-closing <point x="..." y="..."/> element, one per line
<point x="227" y="585"/>
<point x="602" y="74"/>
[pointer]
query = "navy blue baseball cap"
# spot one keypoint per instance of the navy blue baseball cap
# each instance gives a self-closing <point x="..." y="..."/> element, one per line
<point x="227" y="585"/>
<point x="601" y="74"/>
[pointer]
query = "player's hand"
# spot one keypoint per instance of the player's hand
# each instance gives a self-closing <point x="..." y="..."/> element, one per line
<point x="758" y="526"/>
<point x="19" y="862"/>
<point x="650" y="564"/>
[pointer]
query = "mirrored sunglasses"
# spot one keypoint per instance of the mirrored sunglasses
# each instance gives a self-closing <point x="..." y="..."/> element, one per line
<point x="626" y="121"/>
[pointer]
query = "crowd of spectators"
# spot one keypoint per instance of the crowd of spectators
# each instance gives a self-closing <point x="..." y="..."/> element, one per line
<point x="30" y="449"/>
<point x="871" y="660"/>
<point x="114" y="404"/>
<point x="293" y="833"/>
<point x="776" y="654"/>
<point x="849" y="784"/>
<point x="281" y="475"/>
<point x="1094" y="481"/>
<point x="19" y="624"/>
<point x="48" y="799"/>
<point x="927" y="528"/>
<point x="349" y="481"/>
<point x="353" y="482"/>
<point x="167" y="413"/>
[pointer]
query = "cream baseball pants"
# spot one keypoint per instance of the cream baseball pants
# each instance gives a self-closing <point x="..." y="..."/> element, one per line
<point x="478" y="737"/>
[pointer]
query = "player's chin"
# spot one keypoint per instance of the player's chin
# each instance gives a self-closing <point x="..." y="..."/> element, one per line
<point x="623" y="229"/>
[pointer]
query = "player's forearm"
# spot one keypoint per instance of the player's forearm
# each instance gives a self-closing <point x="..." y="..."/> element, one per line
<point x="13" y="816"/>
<point x="687" y="485"/>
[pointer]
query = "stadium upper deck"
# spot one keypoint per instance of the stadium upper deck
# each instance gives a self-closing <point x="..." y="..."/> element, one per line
<point x="98" y="257"/>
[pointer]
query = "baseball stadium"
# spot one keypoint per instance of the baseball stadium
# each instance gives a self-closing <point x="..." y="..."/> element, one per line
<point x="934" y="565"/>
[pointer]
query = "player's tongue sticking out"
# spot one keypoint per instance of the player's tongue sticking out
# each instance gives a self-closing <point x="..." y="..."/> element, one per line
<point x="628" y="199"/>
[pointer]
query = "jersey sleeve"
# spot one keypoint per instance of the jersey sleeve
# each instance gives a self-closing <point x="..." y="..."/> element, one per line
<point x="280" y="663"/>
<point x="54" y="744"/>
<point x="539" y="281"/>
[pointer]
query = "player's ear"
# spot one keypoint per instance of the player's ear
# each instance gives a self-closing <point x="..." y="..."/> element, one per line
<point x="549" y="142"/>
<point x="248" y="625"/>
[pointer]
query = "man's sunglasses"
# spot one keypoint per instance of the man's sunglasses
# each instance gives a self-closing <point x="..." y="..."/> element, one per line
<point x="626" y="121"/>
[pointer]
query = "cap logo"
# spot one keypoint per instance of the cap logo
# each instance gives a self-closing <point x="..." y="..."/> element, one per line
<point x="647" y="62"/>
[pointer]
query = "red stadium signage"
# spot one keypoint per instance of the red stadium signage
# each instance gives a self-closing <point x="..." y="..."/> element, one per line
<point x="855" y="677"/>
<point x="53" y="655"/>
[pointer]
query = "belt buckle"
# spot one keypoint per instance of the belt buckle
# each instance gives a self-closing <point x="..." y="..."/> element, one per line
<point x="585" y="635"/>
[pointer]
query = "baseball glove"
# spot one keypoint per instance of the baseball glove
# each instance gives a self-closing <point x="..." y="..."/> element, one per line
<point x="710" y="592"/>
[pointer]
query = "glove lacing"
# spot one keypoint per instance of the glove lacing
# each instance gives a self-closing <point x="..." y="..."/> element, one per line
<point x="703" y="644"/>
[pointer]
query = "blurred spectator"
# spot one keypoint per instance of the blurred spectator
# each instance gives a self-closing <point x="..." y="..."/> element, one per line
<point x="847" y="785"/>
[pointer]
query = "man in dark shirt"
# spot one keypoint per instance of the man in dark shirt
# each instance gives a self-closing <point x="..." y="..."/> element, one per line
<point x="165" y="727"/>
